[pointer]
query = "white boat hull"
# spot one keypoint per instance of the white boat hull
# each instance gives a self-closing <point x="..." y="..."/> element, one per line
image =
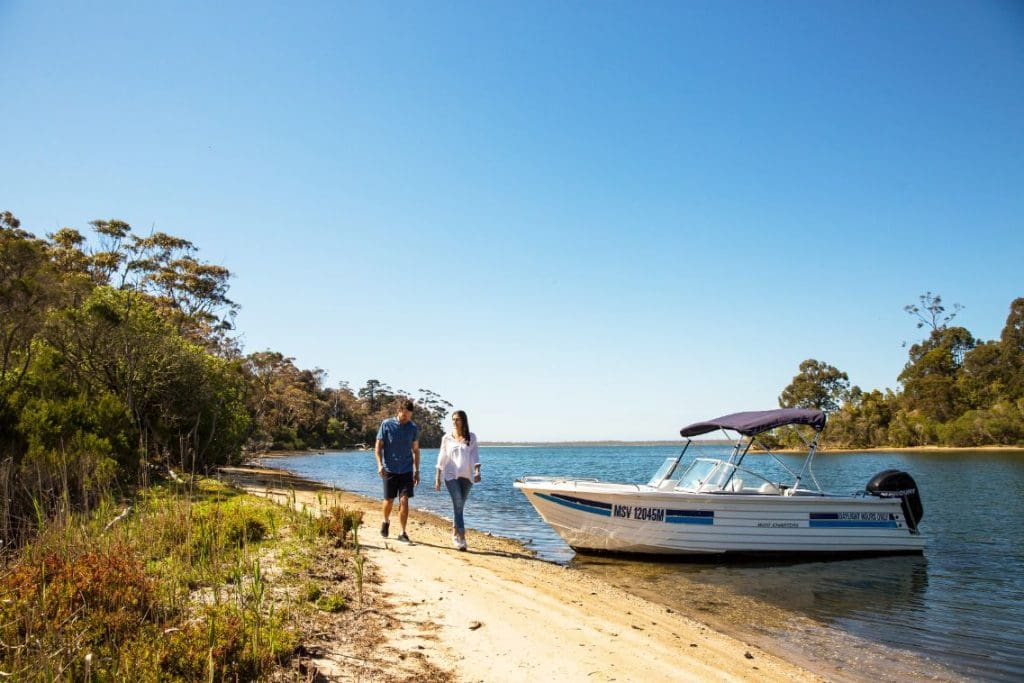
<point x="620" y="518"/>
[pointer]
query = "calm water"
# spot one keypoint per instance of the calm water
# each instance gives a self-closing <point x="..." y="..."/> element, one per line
<point x="956" y="612"/>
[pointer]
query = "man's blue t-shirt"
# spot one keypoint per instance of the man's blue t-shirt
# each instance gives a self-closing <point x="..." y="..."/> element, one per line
<point x="398" y="439"/>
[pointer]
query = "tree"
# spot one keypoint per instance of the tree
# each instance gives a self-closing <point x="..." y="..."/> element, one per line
<point x="982" y="377"/>
<point x="288" y="405"/>
<point x="182" y="402"/>
<point x="930" y="377"/>
<point x="27" y="291"/>
<point x="431" y="410"/>
<point x="863" y="421"/>
<point x="1011" y="351"/>
<point x="931" y="312"/>
<point x="816" y="385"/>
<point x="377" y="394"/>
<point x="190" y="293"/>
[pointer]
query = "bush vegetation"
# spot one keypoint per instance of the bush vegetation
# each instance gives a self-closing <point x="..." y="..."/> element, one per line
<point x="956" y="390"/>
<point x="177" y="590"/>
<point x="118" y="360"/>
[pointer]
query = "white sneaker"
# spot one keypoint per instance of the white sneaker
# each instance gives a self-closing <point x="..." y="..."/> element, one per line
<point x="462" y="544"/>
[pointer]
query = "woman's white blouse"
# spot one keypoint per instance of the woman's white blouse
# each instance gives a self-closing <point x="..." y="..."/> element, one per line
<point x="456" y="459"/>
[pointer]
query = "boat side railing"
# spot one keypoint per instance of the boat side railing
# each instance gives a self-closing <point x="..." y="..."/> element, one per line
<point x="532" y="478"/>
<point x="574" y="481"/>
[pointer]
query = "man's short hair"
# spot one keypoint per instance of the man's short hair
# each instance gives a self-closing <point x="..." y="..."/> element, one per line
<point x="405" y="404"/>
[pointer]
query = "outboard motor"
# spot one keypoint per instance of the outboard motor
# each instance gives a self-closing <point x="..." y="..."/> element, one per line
<point x="897" y="484"/>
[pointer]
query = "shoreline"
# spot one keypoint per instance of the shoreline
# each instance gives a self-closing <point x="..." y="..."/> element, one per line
<point x="578" y="444"/>
<point x="497" y="612"/>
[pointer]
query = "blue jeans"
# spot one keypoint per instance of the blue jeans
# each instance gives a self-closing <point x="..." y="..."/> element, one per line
<point x="459" y="491"/>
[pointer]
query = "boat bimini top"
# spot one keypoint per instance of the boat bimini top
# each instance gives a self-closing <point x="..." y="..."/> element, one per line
<point x="755" y="422"/>
<point x="750" y="425"/>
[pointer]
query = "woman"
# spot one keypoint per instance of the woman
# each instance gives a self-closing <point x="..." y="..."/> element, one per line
<point x="458" y="463"/>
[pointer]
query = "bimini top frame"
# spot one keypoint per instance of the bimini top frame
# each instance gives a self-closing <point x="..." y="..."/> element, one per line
<point x="751" y="424"/>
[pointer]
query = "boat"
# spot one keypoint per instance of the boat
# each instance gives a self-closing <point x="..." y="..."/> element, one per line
<point x="718" y="507"/>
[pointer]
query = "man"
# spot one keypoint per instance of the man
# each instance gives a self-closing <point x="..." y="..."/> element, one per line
<point x="398" y="463"/>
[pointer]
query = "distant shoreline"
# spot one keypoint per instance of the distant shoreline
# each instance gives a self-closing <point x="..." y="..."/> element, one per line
<point x="821" y="449"/>
<point x="674" y="444"/>
<point x="923" y="449"/>
<point x="571" y="444"/>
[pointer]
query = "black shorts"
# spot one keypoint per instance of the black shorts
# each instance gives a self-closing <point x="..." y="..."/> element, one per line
<point x="396" y="485"/>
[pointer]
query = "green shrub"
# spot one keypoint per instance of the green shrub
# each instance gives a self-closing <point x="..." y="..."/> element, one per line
<point x="332" y="603"/>
<point x="311" y="592"/>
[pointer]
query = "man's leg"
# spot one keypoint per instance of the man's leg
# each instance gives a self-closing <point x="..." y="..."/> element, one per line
<point x="403" y="511"/>
<point x="386" y="510"/>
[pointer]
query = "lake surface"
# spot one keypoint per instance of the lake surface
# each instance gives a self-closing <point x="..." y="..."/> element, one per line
<point x="957" y="612"/>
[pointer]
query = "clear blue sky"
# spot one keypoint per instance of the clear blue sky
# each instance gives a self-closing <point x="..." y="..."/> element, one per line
<point x="574" y="220"/>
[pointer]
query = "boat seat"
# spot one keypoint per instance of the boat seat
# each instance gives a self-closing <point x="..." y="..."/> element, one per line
<point x="769" y="487"/>
<point x="735" y="485"/>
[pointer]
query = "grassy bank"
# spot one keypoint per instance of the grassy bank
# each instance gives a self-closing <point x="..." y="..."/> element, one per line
<point x="193" y="582"/>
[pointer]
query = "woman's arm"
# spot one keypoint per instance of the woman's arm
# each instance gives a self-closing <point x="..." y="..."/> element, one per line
<point x="474" y="457"/>
<point x="442" y="457"/>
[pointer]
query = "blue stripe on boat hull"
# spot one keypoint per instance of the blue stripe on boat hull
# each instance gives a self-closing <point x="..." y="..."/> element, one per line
<point x="690" y="520"/>
<point x="690" y="516"/>
<point x="850" y="524"/>
<point x="591" y="506"/>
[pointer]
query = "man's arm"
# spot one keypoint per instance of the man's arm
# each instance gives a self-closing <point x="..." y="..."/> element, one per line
<point x="415" y="463"/>
<point x="378" y="452"/>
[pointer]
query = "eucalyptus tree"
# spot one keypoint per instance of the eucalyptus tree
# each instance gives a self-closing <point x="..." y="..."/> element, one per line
<point x="377" y="394"/>
<point x="931" y="312"/>
<point x="930" y="377"/>
<point x="287" y="403"/>
<point x="1011" y="351"/>
<point x="816" y="385"/>
<point x="863" y="420"/>
<point x="183" y="403"/>
<point x="982" y="380"/>
<point x="431" y="411"/>
<point x="28" y="288"/>
<point x="192" y="294"/>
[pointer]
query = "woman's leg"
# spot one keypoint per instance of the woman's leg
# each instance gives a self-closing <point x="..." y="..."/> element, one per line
<point x="465" y="485"/>
<point x="458" y="503"/>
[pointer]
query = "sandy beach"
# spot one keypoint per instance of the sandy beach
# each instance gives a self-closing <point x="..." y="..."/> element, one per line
<point x="495" y="613"/>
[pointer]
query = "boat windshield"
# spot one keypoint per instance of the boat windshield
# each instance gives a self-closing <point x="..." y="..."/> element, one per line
<point x="708" y="475"/>
<point x="700" y="474"/>
<point x="664" y="472"/>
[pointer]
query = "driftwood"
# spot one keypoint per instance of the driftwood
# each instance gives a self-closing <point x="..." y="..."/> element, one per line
<point x="115" y="520"/>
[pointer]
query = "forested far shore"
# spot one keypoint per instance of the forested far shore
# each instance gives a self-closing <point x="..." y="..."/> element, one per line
<point x="118" y="359"/>
<point x="956" y="390"/>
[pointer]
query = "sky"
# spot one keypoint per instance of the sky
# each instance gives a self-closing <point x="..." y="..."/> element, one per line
<point x="573" y="220"/>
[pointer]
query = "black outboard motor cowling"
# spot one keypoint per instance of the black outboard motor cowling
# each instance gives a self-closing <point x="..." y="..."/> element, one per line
<point x="898" y="484"/>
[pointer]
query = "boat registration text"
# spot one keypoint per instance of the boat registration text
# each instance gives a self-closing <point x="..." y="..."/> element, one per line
<point x="643" y="514"/>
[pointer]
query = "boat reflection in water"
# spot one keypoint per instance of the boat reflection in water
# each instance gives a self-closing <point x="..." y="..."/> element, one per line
<point x="870" y="589"/>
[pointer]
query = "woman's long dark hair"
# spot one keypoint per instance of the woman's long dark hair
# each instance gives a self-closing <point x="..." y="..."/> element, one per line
<point x="462" y="427"/>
